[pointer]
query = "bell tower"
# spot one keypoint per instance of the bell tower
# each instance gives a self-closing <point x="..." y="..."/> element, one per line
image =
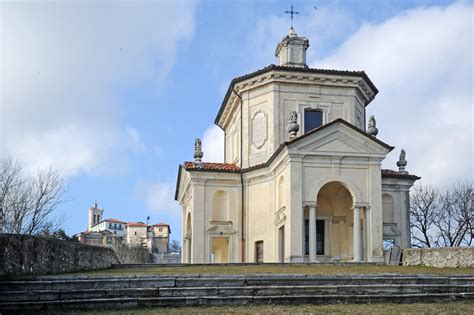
<point x="95" y="215"/>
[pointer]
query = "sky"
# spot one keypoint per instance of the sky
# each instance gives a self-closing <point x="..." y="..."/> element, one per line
<point x="113" y="94"/>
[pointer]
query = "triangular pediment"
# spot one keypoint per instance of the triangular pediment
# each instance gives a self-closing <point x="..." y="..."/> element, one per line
<point x="339" y="138"/>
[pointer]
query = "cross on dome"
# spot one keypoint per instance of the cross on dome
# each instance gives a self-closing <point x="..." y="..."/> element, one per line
<point x="291" y="13"/>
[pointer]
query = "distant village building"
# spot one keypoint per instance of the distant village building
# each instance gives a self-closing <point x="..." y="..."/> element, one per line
<point x="112" y="232"/>
<point x="95" y="216"/>
<point x="137" y="233"/>
<point x="114" y="226"/>
<point x="160" y="241"/>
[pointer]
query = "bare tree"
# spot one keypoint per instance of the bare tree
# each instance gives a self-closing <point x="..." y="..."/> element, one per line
<point x="424" y="212"/>
<point x="454" y="225"/>
<point x="132" y="254"/>
<point x="27" y="202"/>
<point x="11" y="180"/>
<point x="175" y="247"/>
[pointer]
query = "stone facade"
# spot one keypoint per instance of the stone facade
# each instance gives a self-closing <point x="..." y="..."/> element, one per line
<point x="30" y="255"/>
<point x="439" y="257"/>
<point x="295" y="193"/>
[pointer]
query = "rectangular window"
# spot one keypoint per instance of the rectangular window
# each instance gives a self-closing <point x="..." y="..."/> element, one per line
<point x="312" y="119"/>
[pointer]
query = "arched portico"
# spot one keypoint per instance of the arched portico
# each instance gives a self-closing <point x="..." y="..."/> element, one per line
<point x="354" y="189"/>
<point x="335" y="224"/>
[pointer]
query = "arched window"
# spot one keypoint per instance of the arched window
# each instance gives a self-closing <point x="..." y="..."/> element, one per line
<point x="281" y="192"/>
<point x="313" y="118"/>
<point x="387" y="209"/>
<point x="220" y="206"/>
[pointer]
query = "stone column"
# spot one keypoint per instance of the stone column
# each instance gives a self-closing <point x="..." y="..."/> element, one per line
<point x="188" y="248"/>
<point x="312" y="233"/>
<point x="368" y="234"/>
<point x="357" y="235"/>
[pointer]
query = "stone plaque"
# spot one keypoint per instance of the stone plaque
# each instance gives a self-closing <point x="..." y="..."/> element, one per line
<point x="259" y="129"/>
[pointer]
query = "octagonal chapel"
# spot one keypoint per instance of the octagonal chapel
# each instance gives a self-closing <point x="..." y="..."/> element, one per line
<point x="302" y="178"/>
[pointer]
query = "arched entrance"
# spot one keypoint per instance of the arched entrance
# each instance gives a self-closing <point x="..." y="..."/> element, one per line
<point x="329" y="225"/>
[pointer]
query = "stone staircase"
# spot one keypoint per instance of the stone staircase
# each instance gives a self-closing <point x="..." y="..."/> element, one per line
<point x="92" y="292"/>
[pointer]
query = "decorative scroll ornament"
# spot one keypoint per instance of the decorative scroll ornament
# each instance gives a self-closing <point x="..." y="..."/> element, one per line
<point x="402" y="162"/>
<point x="198" y="154"/>
<point x="372" y="130"/>
<point x="293" y="126"/>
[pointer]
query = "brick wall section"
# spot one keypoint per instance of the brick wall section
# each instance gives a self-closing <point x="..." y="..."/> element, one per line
<point x="32" y="255"/>
<point x="439" y="257"/>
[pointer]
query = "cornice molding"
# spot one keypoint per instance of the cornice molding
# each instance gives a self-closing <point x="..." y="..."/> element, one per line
<point x="281" y="76"/>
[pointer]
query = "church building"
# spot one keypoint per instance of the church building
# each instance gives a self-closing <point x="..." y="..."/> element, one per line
<point x="302" y="179"/>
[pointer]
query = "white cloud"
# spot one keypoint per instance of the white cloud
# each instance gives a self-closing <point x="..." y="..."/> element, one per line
<point x="62" y="67"/>
<point x="421" y="61"/>
<point x="213" y="145"/>
<point x="159" y="197"/>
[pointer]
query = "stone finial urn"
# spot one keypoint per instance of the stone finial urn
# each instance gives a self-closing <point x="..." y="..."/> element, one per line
<point x="293" y="126"/>
<point x="402" y="162"/>
<point x="372" y="129"/>
<point x="198" y="154"/>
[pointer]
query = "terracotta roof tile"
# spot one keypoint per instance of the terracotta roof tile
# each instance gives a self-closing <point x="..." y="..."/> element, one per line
<point x="161" y="224"/>
<point x="206" y="166"/>
<point x="395" y="174"/>
<point x="114" y="220"/>
<point x="136" y="224"/>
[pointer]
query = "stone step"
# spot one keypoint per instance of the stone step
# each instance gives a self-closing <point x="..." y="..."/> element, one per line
<point x="87" y="284"/>
<point x="319" y="289"/>
<point x="64" y="283"/>
<point x="62" y="295"/>
<point x="121" y="303"/>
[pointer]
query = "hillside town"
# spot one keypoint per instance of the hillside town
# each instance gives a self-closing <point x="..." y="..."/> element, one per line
<point x="155" y="238"/>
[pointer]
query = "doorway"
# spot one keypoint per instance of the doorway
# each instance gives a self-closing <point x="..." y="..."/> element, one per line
<point x="320" y="232"/>
<point x="220" y="250"/>
<point x="320" y="237"/>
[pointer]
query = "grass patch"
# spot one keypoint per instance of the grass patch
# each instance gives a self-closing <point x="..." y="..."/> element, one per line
<point x="281" y="269"/>
<point x="386" y="309"/>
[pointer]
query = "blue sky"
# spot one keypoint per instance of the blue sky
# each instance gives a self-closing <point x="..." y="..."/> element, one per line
<point x="113" y="95"/>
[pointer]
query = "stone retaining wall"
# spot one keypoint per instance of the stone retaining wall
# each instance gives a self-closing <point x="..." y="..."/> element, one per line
<point x="439" y="257"/>
<point x="32" y="255"/>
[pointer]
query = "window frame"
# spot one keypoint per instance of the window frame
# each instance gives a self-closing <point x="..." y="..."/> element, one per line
<point x="310" y="109"/>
